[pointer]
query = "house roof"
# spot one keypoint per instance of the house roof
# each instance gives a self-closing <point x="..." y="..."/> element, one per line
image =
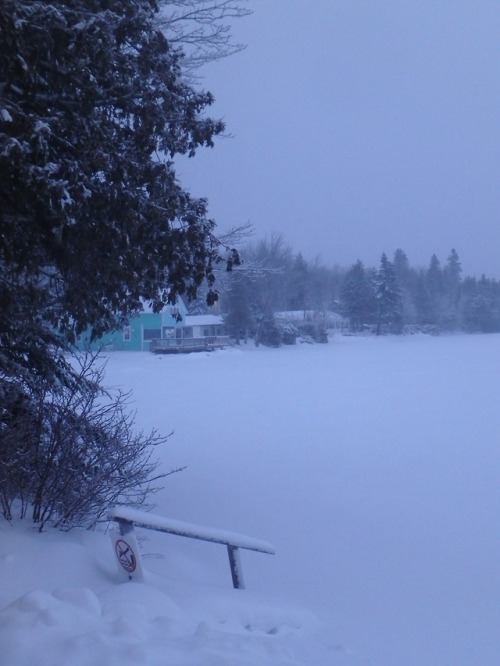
<point x="310" y="316"/>
<point x="146" y="307"/>
<point x="203" y="320"/>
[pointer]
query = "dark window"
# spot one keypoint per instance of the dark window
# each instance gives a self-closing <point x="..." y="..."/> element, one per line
<point x="152" y="333"/>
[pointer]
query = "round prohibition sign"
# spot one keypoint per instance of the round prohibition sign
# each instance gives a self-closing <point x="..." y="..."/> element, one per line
<point x="126" y="556"/>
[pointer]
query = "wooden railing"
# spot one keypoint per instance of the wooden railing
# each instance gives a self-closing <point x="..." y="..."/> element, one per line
<point x="175" y="345"/>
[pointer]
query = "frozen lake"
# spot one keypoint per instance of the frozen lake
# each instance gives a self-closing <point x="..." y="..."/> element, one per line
<point x="371" y="464"/>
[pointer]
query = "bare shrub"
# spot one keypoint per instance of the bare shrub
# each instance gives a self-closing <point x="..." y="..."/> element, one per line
<point x="65" y="456"/>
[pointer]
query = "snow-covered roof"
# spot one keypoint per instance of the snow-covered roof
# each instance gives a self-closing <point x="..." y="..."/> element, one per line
<point x="203" y="320"/>
<point x="310" y="316"/>
<point x="146" y="306"/>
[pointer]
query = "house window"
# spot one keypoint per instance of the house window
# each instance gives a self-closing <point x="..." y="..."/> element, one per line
<point x="127" y="334"/>
<point x="152" y="333"/>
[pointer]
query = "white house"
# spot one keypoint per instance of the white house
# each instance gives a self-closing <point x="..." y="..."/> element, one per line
<point x="202" y="326"/>
<point x="194" y="333"/>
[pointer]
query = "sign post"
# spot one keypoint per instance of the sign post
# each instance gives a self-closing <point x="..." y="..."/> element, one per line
<point x="126" y="551"/>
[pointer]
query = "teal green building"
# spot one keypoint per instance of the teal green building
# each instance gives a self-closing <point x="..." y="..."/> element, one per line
<point x="169" y="324"/>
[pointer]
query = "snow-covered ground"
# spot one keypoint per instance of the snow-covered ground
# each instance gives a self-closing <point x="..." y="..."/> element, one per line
<point x="373" y="467"/>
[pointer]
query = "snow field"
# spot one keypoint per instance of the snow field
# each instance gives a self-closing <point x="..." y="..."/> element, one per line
<point x="372" y="465"/>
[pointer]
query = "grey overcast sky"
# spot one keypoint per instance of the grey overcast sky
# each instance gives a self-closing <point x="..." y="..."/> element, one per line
<point x="361" y="126"/>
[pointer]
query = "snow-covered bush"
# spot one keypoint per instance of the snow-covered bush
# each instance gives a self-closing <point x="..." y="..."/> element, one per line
<point x="288" y="331"/>
<point x="267" y="332"/>
<point x="315" y="332"/>
<point x="65" y="456"/>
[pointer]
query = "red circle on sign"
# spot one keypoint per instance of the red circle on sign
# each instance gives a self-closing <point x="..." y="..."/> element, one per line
<point x="126" y="556"/>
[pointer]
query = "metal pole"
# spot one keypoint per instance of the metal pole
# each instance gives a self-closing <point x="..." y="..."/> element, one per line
<point x="236" y="569"/>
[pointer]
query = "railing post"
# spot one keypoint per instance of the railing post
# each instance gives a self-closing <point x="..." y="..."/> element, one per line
<point x="236" y="569"/>
<point x="125" y="526"/>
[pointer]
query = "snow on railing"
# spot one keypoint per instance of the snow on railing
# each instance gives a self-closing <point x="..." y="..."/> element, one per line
<point x="171" y="345"/>
<point x="128" y="555"/>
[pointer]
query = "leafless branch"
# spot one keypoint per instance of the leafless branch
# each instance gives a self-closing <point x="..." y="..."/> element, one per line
<point x="202" y="28"/>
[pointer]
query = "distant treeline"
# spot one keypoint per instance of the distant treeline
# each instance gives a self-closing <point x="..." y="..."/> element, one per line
<point x="393" y="297"/>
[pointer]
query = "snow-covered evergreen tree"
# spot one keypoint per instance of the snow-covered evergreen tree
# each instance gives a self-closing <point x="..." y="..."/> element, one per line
<point x="451" y="287"/>
<point x="357" y="297"/>
<point x="423" y="300"/>
<point x="93" y="218"/>
<point x="407" y="280"/>
<point x="435" y="288"/>
<point x="298" y="284"/>
<point x="481" y="309"/>
<point x="388" y="298"/>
